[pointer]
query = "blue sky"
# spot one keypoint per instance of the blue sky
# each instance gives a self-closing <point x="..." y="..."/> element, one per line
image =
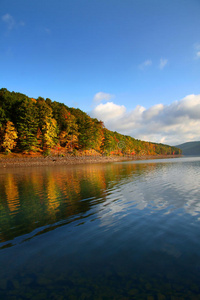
<point x="129" y="62"/>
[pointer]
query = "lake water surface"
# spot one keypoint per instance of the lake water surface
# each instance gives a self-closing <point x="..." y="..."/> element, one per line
<point x="127" y="230"/>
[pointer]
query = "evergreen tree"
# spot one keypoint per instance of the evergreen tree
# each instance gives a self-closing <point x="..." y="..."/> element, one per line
<point x="27" y="125"/>
<point x="2" y="117"/>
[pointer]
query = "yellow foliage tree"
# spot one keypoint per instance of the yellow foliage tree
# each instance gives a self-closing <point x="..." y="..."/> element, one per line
<point x="50" y="133"/>
<point x="10" y="136"/>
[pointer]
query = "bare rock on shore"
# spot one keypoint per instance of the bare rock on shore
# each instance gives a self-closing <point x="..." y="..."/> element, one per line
<point x="69" y="160"/>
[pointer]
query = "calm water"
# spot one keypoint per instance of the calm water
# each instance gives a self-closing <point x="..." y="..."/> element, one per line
<point x="127" y="230"/>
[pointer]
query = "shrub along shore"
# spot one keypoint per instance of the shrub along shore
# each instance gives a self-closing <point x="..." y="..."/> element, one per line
<point x="27" y="161"/>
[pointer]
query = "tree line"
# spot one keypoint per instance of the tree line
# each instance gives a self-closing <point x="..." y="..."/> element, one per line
<point x="41" y="125"/>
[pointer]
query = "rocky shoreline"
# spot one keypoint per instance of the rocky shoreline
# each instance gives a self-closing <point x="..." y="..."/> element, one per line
<point x="6" y="162"/>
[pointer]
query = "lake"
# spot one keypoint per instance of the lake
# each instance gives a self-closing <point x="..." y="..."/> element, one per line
<point x="126" y="230"/>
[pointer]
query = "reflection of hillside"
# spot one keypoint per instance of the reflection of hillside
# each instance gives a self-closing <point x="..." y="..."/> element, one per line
<point x="44" y="196"/>
<point x="52" y="195"/>
<point x="12" y="194"/>
<point x="9" y="204"/>
<point x="41" y="197"/>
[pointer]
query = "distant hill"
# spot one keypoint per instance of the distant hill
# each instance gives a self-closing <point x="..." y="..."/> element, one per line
<point x="190" y="148"/>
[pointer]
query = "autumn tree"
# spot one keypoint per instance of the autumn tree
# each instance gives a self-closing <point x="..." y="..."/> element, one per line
<point x="50" y="133"/>
<point x="69" y="134"/>
<point x="44" y="123"/>
<point x="47" y="124"/>
<point x="10" y="136"/>
<point x="67" y="126"/>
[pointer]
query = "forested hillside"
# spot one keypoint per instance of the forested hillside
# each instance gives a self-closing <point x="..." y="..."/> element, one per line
<point x="30" y="125"/>
<point x="190" y="148"/>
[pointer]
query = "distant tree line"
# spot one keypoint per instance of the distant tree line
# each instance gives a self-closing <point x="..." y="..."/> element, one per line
<point x="42" y="125"/>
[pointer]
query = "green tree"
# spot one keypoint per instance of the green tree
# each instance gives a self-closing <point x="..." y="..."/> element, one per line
<point x="2" y="124"/>
<point x="44" y="111"/>
<point x="2" y="117"/>
<point x="27" y="125"/>
<point x="109" y="144"/>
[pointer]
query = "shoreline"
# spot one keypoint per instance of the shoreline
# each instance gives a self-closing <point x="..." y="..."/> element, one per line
<point x="7" y="162"/>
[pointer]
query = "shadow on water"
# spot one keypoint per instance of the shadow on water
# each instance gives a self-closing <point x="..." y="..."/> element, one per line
<point x="112" y="231"/>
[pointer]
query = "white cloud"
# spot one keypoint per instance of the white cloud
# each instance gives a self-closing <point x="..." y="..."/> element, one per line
<point x="163" y="63"/>
<point x="153" y="111"/>
<point x="9" y="21"/>
<point x="109" y="111"/>
<point x="198" y="54"/>
<point x="170" y="124"/>
<point x="146" y="63"/>
<point x="197" y="51"/>
<point x="102" y="96"/>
